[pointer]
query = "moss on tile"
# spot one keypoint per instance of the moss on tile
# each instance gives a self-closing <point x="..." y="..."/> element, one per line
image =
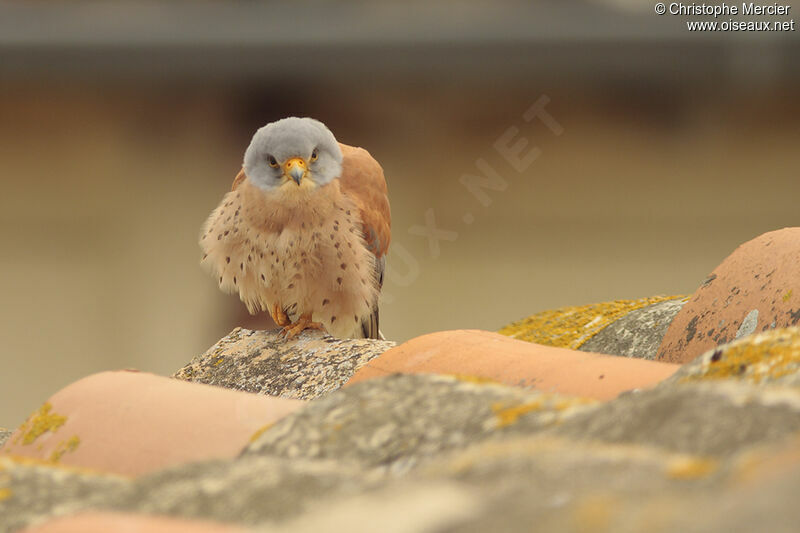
<point x="570" y="327"/>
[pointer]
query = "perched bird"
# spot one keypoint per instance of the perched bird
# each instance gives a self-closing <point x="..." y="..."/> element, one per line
<point x="303" y="234"/>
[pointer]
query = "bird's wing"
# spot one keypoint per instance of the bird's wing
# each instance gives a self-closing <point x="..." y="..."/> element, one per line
<point x="240" y="177"/>
<point x="362" y="181"/>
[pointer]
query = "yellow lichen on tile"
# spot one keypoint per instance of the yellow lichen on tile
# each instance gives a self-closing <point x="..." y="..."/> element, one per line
<point x="478" y="380"/>
<point x="570" y="327"/>
<point x="761" y="357"/>
<point x="5" y="493"/>
<point x="67" y="446"/>
<point x="38" y="424"/>
<point x="260" y="432"/>
<point x="691" y="467"/>
<point x="572" y="401"/>
<point x="787" y="296"/>
<point x="595" y="513"/>
<point x="33" y="462"/>
<point x="767" y="461"/>
<point x="508" y="414"/>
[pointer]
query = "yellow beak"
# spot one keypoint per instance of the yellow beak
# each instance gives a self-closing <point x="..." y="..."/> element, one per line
<point x="295" y="168"/>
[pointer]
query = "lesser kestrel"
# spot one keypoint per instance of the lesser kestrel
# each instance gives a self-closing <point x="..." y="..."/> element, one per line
<point x="303" y="234"/>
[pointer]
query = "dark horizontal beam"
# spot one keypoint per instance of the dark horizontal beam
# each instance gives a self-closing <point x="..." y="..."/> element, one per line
<point x="265" y="40"/>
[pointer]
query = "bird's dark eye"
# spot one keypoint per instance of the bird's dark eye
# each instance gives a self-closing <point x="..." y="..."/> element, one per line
<point x="272" y="161"/>
<point x="314" y="155"/>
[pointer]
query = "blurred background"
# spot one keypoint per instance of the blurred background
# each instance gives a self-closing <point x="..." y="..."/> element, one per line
<point x="122" y="124"/>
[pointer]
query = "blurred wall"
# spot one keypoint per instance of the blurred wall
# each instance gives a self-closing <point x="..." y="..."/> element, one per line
<point x="653" y="174"/>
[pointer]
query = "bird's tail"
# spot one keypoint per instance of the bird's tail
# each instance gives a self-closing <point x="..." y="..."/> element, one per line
<point x="370" y="326"/>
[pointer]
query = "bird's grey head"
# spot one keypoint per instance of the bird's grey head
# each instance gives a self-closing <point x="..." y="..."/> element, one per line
<point x="293" y="153"/>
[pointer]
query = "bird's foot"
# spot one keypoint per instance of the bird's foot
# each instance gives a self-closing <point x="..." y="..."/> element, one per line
<point x="303" y="323"/>
<point x="279" y="316"/>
